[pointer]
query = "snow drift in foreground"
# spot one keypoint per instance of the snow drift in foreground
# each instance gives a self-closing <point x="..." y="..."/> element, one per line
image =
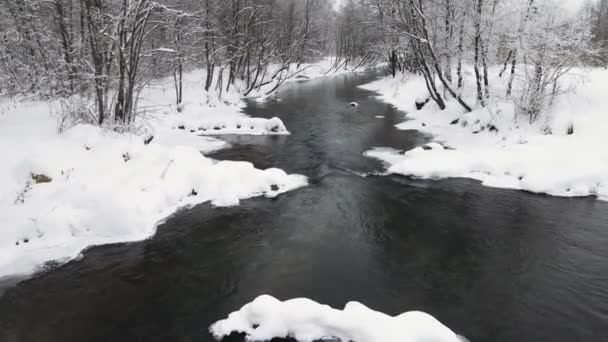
<point x="562" y="154"/>
<point x="60" y="193"/>
<point x="306" y="321"/>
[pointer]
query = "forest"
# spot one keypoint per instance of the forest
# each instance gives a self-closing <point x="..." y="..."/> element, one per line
<point x="106" y="51"/>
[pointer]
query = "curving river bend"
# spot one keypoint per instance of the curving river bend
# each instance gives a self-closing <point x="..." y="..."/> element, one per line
<point x="493" y="265"/>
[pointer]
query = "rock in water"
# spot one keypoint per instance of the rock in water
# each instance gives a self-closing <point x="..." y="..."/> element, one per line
<point x="354" y="104"/>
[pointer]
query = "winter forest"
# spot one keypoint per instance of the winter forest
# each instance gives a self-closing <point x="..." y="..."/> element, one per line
<point x="106" y="52"/>
<point x="202" y="156"/>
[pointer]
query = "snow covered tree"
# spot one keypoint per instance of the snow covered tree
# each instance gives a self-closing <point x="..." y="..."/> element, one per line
<point x="552" y="44"/>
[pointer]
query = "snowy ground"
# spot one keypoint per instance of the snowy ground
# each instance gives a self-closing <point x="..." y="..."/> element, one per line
<point x="106" y="187"/>
<point x="306" y="321"/>
<point x="501" y="150"/>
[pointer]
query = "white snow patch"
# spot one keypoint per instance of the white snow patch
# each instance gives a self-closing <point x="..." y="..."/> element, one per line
<point x="434" y="146"/>
<point x="162" y="49"/>
<point x="306" y="321"/>
<point x="498" y="148"/>
<point x="422" y="99"/>
<point x="231" y="125"/>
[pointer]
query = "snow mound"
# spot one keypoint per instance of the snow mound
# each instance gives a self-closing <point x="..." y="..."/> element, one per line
<point x="235" y="125"/>
<point x="306" y="321"/>
<point x="109" y="188"/>
<point x="560" y="154"/>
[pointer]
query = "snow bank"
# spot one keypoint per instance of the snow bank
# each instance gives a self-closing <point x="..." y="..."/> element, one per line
<point x="107" y="187"/>
<point x="234" y="125"/>
<point x="202" y="113"/>
<point x="498" y="148"/>
<point x="306" y="321"/>
<point x="324" y="67"/>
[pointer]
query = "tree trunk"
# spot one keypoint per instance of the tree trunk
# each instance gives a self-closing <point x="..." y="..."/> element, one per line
<point x="480" y="98"/>
<point x="448" y="38"/>
<point x="460" y="53"/>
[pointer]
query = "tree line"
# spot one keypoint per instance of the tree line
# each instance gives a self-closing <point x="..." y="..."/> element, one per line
<point x="109" y="49"/>
<point x="535" y="43"/>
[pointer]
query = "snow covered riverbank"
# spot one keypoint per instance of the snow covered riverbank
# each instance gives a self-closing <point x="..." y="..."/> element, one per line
<point x="60" y="193"/>
<point x="305" y="320"/>
<point x="561" y="154"/>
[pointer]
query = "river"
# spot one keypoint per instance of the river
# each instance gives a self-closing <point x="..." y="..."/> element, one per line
<point x="493" y="265"/>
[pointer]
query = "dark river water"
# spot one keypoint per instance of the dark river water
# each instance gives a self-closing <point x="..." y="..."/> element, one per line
<point x="493" y="265"/>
